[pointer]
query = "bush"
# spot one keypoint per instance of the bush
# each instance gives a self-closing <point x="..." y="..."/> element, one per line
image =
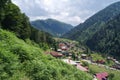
<point x="85" y="64"/>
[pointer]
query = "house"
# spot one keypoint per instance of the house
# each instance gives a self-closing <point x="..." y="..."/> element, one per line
<point x="62" y="46"/>
<point x="55" y="54"/>
<point x="83" y="56"/>
<point x="101" y="76"/>
<point x="82" y="68"/>
<point x="59" y="50"/>
<point x="69" y="61"/>
<point x="116" y="66"/>
<point x="100" y="61"/>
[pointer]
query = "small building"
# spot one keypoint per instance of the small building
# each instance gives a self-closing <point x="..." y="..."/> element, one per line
<point x="100" y="61"/>
<point x="83" y="56"/>
<point x="55" y="54"/>
<point x="63" y="46"/>
<point x="59" y="50"/>
<point x="82" y="68"/>
<point x="69" y="61"/>
<point x="101" y="76"/>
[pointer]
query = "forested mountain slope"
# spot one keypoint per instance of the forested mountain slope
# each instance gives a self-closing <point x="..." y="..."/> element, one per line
<point x="107" y="39"/>
<point x="52" y="26"/>
<point x="86" y="30"/>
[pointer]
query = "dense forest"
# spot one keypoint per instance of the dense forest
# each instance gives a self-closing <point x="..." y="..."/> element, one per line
<point x="107" y="39"/>
<point x="86" y="30"/>
<point x="52" y="26"/>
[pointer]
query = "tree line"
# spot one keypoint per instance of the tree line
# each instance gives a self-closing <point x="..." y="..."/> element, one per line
<point x="13" y="20"/>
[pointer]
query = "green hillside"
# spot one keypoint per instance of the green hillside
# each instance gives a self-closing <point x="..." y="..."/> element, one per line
<point x="22" y="61"/>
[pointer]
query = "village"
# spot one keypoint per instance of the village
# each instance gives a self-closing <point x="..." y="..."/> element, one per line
<point x="72" y="55"/>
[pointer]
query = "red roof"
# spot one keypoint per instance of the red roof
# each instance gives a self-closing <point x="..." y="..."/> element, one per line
<point x="100" y="76"/>
<point x="61" y="44"/>
<point x="55" y="54"/>
<point x="81" y="68"/>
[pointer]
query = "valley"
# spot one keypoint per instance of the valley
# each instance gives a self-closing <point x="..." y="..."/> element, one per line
<point x="49" y="49"/>
<point x="92" y="62"/>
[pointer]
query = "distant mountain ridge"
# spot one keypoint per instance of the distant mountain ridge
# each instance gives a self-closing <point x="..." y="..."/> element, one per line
<point x="52" y="26"/>
<point x="86" y="30"/>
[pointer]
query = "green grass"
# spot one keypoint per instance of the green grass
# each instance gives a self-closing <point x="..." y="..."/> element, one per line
<point x="97" y="69"/>
<point x="97" y="56"/>
<point x="24" y="61"/>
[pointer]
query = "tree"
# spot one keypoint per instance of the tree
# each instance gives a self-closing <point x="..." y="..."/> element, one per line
<point x="16" y="22"/>
<point x="3" y="3"/>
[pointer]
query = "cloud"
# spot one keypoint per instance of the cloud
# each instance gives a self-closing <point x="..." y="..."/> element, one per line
<point x="69" y="11"/>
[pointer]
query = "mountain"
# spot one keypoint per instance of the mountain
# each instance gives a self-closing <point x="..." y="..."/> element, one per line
<point x="54" y="27"/>
<point x="86" y="30"/>
<point x="107" y="39"/>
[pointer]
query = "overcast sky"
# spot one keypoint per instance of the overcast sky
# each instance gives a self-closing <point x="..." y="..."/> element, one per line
<point x="69" y="11"/>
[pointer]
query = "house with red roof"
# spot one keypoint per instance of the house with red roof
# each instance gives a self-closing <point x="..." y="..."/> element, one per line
<point x="62" y="46"/>
<point x="55" y="54"/>
<point x="80" y="67"/>
<point x="101" y="76"/>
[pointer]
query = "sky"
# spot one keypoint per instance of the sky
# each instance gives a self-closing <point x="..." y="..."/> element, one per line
<point x="69" y="11"/>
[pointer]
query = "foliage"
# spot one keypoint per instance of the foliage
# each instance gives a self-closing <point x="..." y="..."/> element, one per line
<point x="96" y="56"/>
<point x="85" y="64"/>
<point x="109" y="41"/>
<point x="111" y="76"/>
<point x="15" y="21"/>
<point x="45" y="40"/>
<point x="86" y="30"/>
<point x="22" y="61"/>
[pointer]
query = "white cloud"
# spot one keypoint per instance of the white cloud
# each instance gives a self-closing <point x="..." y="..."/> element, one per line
<point x="69" y="11"/>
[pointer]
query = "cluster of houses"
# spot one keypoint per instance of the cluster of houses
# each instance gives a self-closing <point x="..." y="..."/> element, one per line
<point x="117" y="63"/>
<point x="63" y="51"/>
<point x="78" y="65"/>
